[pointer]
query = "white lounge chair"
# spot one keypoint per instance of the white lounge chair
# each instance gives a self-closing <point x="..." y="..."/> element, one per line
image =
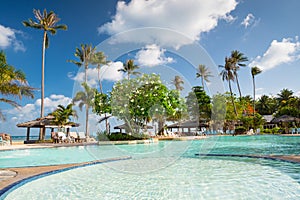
<point x="81" y="137"/>
<point x="62" y="136"/>
<point x="73" y="136"/>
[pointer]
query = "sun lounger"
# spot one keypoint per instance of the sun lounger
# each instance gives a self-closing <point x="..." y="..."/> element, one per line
<point x="74" y="136"/>
<point x="62" y="137"/>
<point x="81" y="137"/>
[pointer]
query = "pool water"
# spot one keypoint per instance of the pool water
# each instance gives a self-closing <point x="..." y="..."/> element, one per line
<point x="166" y="170"/>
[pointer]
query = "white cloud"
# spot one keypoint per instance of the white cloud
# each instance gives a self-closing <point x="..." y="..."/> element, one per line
<point x="278" y="53"/>
<point x="8" y="38"/>
<point x="249" y="19"/>
<point x="152" y="56"/>
<point x="189" y="17"/>
<point x="107" y="72"/>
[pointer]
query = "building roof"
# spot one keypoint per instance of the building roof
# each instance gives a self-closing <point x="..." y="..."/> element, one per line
<point x="47" y="121"/>
<point x="187" y="124"/>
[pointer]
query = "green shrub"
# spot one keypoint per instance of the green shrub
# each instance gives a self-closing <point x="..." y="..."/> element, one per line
<point x="240" y="130"/>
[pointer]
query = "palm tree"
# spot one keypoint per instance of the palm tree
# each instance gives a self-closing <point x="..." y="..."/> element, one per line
<point x="85" y="54"/>
<point x="237" y="61"/>
<point x="85" y="98"/>
<point x="62" y="114"/>
<point x="129" y="67"/>
<point x="177" y="82"/>
<point x="98" y="59"/>
<point x="12" y="83"/>
<point x="254" y="71"/>
<point x="204" y="73"/>
<point x="228" y="75"/>
<point x="48" y="23"/>
<point x="284" y="96"/>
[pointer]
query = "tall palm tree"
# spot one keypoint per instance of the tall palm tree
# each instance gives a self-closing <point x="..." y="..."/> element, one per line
<point x="99" y="59"/>
<point x="129" y="67"/>
<point x="228" y="75"/>
<point x="48" y="23"/>
<point x="204" y="73"/>
<point x="177" y="82"/>
<point x="254" y="71"/>
<point x="85" y="98"/>
<point x="85" y="54"/>
<point x="237" y="61"/>
<point x="13" y="83"/>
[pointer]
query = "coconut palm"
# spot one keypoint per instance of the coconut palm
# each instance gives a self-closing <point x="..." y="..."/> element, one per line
<point x="129" y="67"/>
<point x="237" y="61"/>
<point x="204" y="73"/>
<point x="254" y="71"/>
<point x="284" y="96"/>
<point x="228" y="75"/>
<point x="62" y="114"/>
<point x="48" y="23"/>
<point x="85" y="98"/>
<point x="85" y="54"/>
<point x="99" y="59"/>
<point x="177" y="82"/>
<point x="13" y="83"/>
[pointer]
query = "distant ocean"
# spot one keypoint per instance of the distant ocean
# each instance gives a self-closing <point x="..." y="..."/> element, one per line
<point x="23" y="138"/>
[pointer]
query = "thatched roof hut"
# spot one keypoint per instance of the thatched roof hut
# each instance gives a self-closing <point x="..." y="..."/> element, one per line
<point x="44" y="122"/>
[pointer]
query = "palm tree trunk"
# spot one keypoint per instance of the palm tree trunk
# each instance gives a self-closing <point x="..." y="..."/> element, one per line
<point x="238" y="85"/>
<point x="202" y="80"/>
<point x="41" y="136"/>
<point x="232" y="100"/>
<point x="87" y="120"/>
<point x="101" y="91"/>
<point x="253" y="79"/>
<point x="100" y="84"/>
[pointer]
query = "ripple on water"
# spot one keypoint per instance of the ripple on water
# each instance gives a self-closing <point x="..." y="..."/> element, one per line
<point x="187" y="178"/>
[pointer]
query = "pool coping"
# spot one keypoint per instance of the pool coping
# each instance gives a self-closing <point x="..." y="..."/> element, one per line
<point x="24" y="174"/>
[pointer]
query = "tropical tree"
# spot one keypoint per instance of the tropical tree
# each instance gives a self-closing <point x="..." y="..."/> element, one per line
<point x="237" y="60"/>
<point x="139" y="100"/>
<point x="129" y="67"/>
<point x="85" y="54"/>
<point x="254" y="71"/>
<point x="284" y="96"/>
<point x="13" y="83"/>
<point x="47" y="22"/>
<point x="178" y="83"/>
<point x="102" y="106"/>
<point x="85" y="98"/>
<point x="266" y="105"/>
<point x="199" y="104"/>
<point x="99" y="59"/>
<point x="228" y="75"/>
<point x="204" y="73"/>
<point x="62" y="114"/>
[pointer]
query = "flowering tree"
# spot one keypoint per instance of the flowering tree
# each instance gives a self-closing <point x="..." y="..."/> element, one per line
<point x="140" y="100"/>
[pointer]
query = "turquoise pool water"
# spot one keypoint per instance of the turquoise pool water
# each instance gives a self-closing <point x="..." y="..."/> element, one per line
<point x="168" y="170"/>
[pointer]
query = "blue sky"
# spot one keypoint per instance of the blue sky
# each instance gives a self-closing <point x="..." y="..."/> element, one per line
<point x="266" y="31"/>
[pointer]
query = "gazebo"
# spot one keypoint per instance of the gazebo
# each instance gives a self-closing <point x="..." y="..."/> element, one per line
<point x="44" y="122"/>
<point x="123" y="126"/>
<point x="190" y="124"/>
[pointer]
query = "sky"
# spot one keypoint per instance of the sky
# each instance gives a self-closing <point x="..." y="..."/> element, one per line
<point x="168" y="37"/>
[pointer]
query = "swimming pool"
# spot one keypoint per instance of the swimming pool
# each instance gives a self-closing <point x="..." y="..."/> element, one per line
<point x="170" y="170"/>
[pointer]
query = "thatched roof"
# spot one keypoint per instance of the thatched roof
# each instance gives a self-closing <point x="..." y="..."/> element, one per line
<point x="187" y="124"/>
<point x="285" y="118"/>
<point x="47" y="121"/>
<point x="123" y="126"/>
